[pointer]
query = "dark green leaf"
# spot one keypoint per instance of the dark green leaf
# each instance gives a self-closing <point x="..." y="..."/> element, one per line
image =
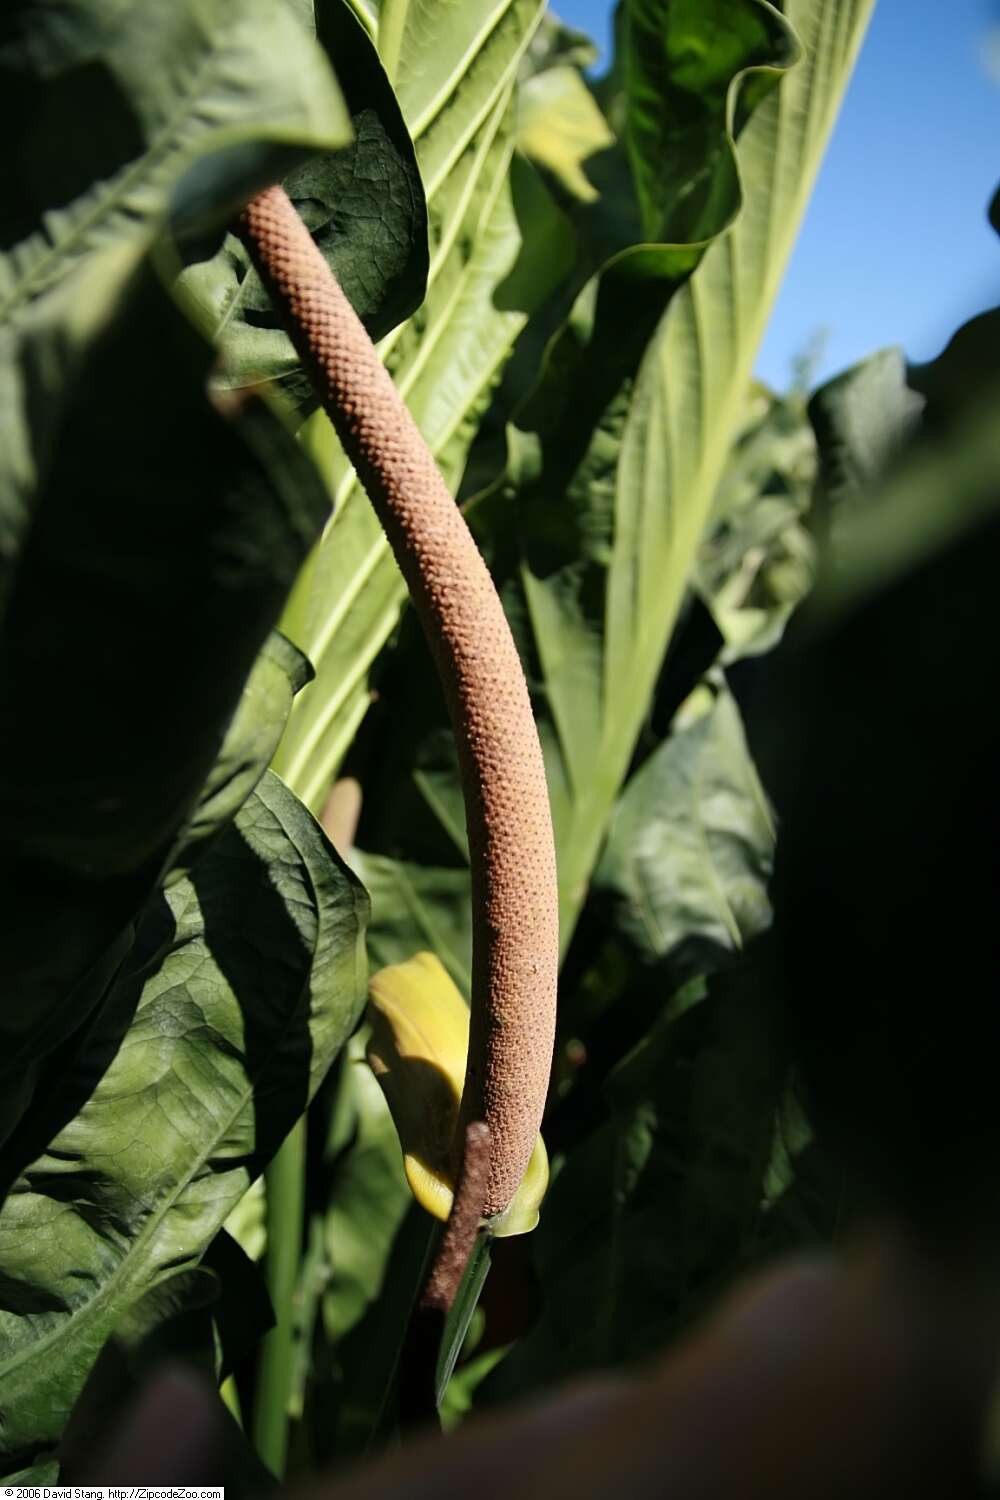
<point x="691" y="843"/>
<point x="365" y="208"/>
<point x="680" y="60"/>
<point x="242" y="1311"/>
<point x="417" y="907"/>
<point x="887" y="874"/>
<point x="661" y="1202"/>
<point x="369" y="1197"/>
<point x="862" y="419"/>
<point x="968" y="365"/>
<point x="251" y="740"/>
<point x="105" y="108"/>
<point x="138" y="598"/>
<point x="44" y="1471"/>
<point x="244" y="982"/>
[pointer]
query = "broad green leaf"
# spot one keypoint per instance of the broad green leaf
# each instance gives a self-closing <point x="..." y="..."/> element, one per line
<point x="691" y="842"/>
<point x="417" y="1050"/>
<point x="139" y="593"/>
<point x="42" y="367"/>
<point x="364" y="205"/>
<point x="679" y="61"/>
<point x="173" y="1321"/>
<point x="188" y="107"/>
<point x="454" y="85"/>
<point x="662" y="170"/>
<point x="244" y="983"/>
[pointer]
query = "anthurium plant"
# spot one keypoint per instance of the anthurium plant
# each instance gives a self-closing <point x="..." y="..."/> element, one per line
<point x="337" y="309"/>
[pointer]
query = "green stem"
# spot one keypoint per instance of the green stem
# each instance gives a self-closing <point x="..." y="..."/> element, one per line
<point x="284" y="1185"/>
<point x="460" y="1316"/>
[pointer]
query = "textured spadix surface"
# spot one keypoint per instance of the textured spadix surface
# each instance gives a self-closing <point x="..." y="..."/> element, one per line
<point x="515" y="907"/>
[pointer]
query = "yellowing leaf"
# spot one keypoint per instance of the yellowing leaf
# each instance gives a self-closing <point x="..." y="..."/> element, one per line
<point x="417" y="1050"/>
<point x="559" y="127"/>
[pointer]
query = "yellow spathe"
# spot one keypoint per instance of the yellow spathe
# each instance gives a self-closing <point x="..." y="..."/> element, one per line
<point x="417" y="1050"/>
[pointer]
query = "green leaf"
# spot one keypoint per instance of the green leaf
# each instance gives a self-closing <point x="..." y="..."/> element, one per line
<point x="691" y="842"/>
<point x="365" y="207"/>
<point x="247" y="1222"/>
<point x="454" y="80"/>
<point x="376" y="1241"/>
<point x="368" y="1201"/>
<point x="862" y="419"/>
<point x="617" y="475"/>
<point x="680" y="60"/>
<point x="242" y="1312"/>
<point x="660" y="1203"/>
<point x="234" y="91"/>
<point x="807" y="1197"/>
<point x="555" y="44"/>
<point x="660" y="167"/>
<point x="967" y="366"/>
<point x="560" y="127"/>
<point x="756" y="562"/>
<point x="245" y="981"/>
<point x="138" y="595"/>
<point x="616" y="460"/>
<point x="44" y="1471"/>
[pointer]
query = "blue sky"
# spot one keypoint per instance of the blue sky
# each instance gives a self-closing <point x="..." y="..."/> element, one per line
<point x="895" y="247"/>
